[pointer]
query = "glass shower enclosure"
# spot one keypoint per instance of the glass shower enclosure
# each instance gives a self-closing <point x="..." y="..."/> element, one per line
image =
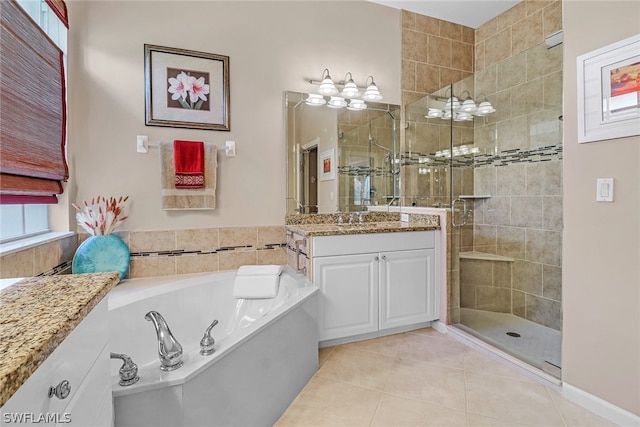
<point x="500" y="177"/>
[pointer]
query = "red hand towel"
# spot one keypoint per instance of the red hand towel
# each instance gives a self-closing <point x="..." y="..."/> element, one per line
<point x="188" y="157"/>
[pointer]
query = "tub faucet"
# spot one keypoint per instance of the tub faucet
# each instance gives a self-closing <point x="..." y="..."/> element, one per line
<point x="169" y="350"/>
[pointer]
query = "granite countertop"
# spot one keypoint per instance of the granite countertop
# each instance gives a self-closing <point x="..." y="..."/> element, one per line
<point x="37" y="314"/>
<point x="328" y="224"/>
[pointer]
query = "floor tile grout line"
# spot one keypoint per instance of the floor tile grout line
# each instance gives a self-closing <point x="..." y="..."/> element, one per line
<point x="555" y="405"/>
<point x="466" y="403"/>
<point x="375" y="411"/>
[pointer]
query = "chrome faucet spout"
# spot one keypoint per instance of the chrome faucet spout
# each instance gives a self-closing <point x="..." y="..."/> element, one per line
<point x="169" y="349"/>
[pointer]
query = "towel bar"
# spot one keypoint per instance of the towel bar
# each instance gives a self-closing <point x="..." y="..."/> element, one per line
<point x="143" y="144"/>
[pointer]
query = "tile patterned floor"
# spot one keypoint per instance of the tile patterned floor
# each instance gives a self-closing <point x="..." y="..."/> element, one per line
<point x="424" y="378"/>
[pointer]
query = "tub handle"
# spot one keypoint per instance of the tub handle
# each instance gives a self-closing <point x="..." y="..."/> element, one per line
<point x="298" y="253"/>
<point x="207" y="342"/>
<point x="128" y="371"/>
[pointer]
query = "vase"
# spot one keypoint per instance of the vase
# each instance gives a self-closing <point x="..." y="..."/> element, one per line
<point x="101" y="254"/>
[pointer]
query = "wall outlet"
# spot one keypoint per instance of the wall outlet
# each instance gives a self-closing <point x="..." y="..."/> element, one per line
<point x="404" y="217"/>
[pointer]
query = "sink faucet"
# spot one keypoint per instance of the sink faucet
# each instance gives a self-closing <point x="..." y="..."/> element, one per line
<point x="169" y="350"/>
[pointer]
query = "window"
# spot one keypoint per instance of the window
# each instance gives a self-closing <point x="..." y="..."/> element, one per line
<point x="17" y="220"/>
<point x="20" y="221"/>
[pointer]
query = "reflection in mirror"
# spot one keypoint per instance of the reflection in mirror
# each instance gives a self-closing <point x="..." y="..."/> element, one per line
<point x="439" y="147"/>
<point x="341" y="160"/>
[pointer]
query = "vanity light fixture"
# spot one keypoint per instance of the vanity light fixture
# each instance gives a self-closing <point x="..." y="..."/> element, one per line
<point x="350" y="90"/>
<point x="460" y="111"/>
<point x="468" y="105"/>
<point x="357" y="104"/>
<point x="337" y="102"/>
<point x="452" y="104"/>
<point x="327" y="87"/>
<point x="315" y="99"/>
<point x="372" y="93"/>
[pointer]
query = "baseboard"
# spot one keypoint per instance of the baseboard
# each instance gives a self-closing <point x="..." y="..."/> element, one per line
<point x="439" y="326"/>
<point x="599" y="406"/>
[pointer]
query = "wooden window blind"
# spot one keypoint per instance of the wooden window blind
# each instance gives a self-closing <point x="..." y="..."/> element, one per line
<point x="60" y="9"/>
<point x="33" y="111"/>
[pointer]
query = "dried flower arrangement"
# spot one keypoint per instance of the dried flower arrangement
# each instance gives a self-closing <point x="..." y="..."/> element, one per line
<point x="102" y="216"/>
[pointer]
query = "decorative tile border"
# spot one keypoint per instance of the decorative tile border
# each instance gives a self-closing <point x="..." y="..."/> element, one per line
<point x="503" y="158"/>
<point x="181" y="252"/>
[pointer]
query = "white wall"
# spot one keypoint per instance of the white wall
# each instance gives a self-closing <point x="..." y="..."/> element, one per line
<point x="273" y="47"/>
<point x="601" y="253"/>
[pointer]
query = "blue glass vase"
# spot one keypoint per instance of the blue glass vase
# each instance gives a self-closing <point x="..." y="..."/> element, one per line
<point x="101" y="254"/>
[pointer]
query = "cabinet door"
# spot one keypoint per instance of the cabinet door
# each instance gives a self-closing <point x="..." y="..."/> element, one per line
<point x="407" y="287"/>
<point x="349" y="295"/>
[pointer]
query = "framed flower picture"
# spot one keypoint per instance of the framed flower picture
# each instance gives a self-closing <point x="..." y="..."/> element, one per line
<point x="186" y="89"/>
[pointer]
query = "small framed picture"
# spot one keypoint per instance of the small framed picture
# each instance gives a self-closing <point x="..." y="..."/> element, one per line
<point x="609" y="91"/>
<point x="327" y="165"/>
<point x="186" y="89"/>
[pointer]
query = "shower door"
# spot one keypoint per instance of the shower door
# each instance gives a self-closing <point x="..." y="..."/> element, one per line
<point x="506" y="200"/>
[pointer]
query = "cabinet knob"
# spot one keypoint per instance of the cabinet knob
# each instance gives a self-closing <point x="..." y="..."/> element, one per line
<point x="61" y="391"/>
<point x="376" y="258"/>
<point x="384" y="257"/>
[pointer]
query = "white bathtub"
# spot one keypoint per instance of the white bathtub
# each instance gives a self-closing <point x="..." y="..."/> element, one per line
<point x="266" y="350"/>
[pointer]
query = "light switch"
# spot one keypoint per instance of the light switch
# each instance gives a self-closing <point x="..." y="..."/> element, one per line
<point x="230" y="148"/>
<point x="604" y="190"/>
<point x="142" y="142"/>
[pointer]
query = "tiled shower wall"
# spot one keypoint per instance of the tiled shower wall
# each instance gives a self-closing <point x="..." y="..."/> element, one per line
<point x="435" y="53"/>
<point x="521" y="161"/>
<point x="520" y="164"/>
<point x="163" y="253"/>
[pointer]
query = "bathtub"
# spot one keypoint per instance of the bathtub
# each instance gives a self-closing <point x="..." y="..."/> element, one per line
<point x="266" y="350"/>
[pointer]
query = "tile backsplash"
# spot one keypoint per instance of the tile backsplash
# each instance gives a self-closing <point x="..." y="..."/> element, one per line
<point x="163" y="252"/>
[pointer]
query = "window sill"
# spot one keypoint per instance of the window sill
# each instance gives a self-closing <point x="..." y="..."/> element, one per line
<point x="30" y="242"/>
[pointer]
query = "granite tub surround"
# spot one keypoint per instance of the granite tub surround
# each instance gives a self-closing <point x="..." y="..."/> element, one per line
<point x="37" y="315"/>
<point x="372" y="222"/>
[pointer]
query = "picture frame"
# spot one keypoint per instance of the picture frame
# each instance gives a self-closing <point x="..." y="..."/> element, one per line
<point x="609" y="91"/>
<point x="327" y="165"/>
<point x="186" y="89"/>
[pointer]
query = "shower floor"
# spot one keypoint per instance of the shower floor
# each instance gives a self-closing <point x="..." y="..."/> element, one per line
<point x="537" y="345"/>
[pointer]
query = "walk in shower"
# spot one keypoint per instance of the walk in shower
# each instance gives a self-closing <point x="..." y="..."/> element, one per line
<point x="500" y="174"/>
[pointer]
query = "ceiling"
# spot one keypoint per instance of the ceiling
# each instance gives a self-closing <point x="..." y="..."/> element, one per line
<point x="470" y="13"/>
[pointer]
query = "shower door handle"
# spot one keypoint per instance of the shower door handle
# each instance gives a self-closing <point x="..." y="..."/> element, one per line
<point x="464" y="212"/>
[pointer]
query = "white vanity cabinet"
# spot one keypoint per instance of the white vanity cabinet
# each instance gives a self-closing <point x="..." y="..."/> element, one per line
<point x="82" y="360"/>
<point x="373" y="283"/>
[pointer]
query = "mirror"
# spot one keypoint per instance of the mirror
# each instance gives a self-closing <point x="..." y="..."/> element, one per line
<point x="341" y="160"/>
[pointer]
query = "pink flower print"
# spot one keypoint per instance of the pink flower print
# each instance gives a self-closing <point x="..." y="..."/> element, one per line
<point x="198" y="90"/>
<point x="180" y="86"/>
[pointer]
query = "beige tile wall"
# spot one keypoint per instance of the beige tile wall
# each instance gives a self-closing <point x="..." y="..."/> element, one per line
<point x="168" y="252"/>
<point x="165" y="252"/>
<point x="523" y="218"/>
<point x="37" y="260"/>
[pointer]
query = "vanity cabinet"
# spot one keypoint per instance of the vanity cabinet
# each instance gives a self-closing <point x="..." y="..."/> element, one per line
<point x="374" y="282"/>
<point x="82" y="360"/>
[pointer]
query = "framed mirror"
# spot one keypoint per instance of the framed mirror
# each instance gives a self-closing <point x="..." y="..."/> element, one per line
<point x="341" y="160"/>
